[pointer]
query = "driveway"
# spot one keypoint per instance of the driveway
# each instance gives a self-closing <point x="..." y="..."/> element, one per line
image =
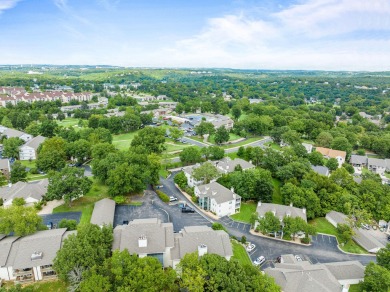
<point x="57" y="217"/>
<point x="259" y="143"/>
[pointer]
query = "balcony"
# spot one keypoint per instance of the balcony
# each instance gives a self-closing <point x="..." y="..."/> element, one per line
<point x="47" y="269"/>
<point x="23" y="272"/>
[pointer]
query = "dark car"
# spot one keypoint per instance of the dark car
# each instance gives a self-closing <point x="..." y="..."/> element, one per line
<point x="187" y="210"/>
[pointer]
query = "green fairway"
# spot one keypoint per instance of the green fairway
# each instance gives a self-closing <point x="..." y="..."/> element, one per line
<point x="68" y="122"/>
<point x="246" y="211"/>
<point x="123" y="141"/>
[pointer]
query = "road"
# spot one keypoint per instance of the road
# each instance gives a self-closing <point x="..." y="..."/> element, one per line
<point x="322" y="250"/>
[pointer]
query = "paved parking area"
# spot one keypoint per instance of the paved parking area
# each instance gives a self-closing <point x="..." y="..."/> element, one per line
<point x="243" y="227"/>
<point x="129" y="213"/>
<point x="324" y="241"/>
<point x="57" y="217"/>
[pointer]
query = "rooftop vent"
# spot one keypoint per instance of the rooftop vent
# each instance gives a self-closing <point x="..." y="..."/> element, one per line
<point x="202" y="249"/>
<point x="142" y="241"/>
<point x="37" y="255"/>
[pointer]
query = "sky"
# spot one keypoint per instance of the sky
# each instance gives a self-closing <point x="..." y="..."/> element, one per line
<point x="348" y="35"/>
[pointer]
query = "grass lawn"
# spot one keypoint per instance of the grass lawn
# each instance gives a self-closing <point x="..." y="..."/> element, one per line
<point x="247" y="209"/>
<point x="31" y="177"/>
<point x="276" y="196"/>
<point x="242" y="143"/>
<point x="323" y="226"/>
<point x="163" y="172"/>
<point x="51" y="286"/>
<point x="274" y="145"/>
<point x="356" y="288"/>
<point x="68" y="122"/>
<point x="240" y="254"/>
<point x="122" y="141"/>
<point x="85" y="204"/>
<point x="232" y="155"/>
<point x="28" y="163"/>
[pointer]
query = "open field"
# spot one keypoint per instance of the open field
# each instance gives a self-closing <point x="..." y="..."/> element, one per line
<point x="323" y="226"/>
<point x="242" y="143"/>
<point x="247" y="209"/>
<point x="68" y="122"/>
<point x="240" y="254"/>
<point x="123" y="141"/>
<point x="85" y="204"/>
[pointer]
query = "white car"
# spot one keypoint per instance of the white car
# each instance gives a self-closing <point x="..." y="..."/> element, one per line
<point x="172" y="198"/>
<point x="298" y="258"/>
<point x="250" y="247"/>
<point x="260" y="260"/>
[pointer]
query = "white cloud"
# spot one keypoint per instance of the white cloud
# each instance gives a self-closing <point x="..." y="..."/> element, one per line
<point x="315" y="34"/>
<point x="7" y="4"/>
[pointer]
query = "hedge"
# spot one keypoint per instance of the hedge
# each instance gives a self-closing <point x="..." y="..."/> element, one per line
<point x="163" y="196"/>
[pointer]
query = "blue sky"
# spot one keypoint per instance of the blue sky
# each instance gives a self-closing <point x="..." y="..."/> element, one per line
<point x="263" y="34"/>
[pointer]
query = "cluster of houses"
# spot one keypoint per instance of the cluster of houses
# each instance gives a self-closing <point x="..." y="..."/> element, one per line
<point x="14" y="95"/>
<point x="30" y="258"/>
<point x="376" y="165"/>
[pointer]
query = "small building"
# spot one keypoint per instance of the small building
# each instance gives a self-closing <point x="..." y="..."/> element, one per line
<point x="331" y="153"/>
<point x="31" y="192"/>
<point x="377" y="165"/>
<point x="322" y="170"/>
<point x="12" y="133"/>
<point x="103" y="212"/>
<point x="308" y="147"/>
<point x="358" y="160"/>
<point x="216" y="198"/>
<point x="5" y="167"/>
<point x="28" y="151"/>
<point x="280" y="211"/>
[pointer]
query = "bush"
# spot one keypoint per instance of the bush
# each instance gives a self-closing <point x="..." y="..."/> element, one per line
<point x="243" y="239"/>
<point x="305" y="240"/>
<point x="194" y="199"/>
<point x="181" y="180"/>
<point x="163" y="196"/>
<point x="38" y="206"/>
<point x="120" y="199"/>
<point x="1" y="202"/>
<point x="34" y="170"/>
<point x="218" y="226"/>
<point x="69" y="224"/>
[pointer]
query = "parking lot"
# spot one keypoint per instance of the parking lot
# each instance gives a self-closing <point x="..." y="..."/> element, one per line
<point x="153" y="207"/>
<point x="57" y="217"/>
<point x="243" y="227"/>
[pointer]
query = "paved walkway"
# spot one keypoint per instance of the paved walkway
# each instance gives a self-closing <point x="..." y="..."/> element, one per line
<point x="48" y="209"/>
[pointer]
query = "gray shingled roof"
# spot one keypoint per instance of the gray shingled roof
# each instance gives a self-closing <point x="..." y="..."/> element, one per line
<point x="366" y="240"/>
<point x="346" y="270"/>
<point x="35" y="189"/>
<point x="280" y="210"/>
<point x="322" y="170"/>
<point x="376" y="162"/>
<point x="35" y="142"/>
<point x="5" y="247"/>
<point x="48" y="242"/>
<point x="103" y="212"/>
<point x="188" y="240"/>
<point x="337" y="217"/>
<point x="10" y="133"/>
<point x="358" y="159"/>
<point x="4" y="164"/>
<point x="159" y="236"/>
<point x="217" y="192"/>
<point x="225" y="165"/>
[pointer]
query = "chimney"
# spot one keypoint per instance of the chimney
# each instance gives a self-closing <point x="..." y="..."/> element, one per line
<point x="202" y="249"/>
<point x="9" y="184"/>
<point x="304" y="210"/>
<point x="142" y="241"/>
<point x="213" y="193"/>
<point x="259" y="204"/>
<point x="291" y="204"/>
<point x="232" y="189"/>
<point x="37" y="255"/>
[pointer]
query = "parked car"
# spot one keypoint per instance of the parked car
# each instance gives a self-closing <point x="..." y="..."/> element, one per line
<point x="187" y="210"/>
<point x="260" y="260"/>
<point x="172" y="198"/>
<point x="388" y="238"/>
<point x="250" y="247"/>
<point x="298" y="258"/>
<point x="365" y="226"/>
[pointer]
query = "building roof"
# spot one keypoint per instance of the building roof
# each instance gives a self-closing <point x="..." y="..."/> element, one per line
<point x="34" y="189"/>
<point x="12" y="133"/>
<point x="217" y="192"/>
<point x="47" y="242"/>
<point x="331" y="153"/>
<point x="358" y="159"/>
<point x="35" y="142"/>
<point x="4" y="164"/>
<point x="323" y="170"/>
<point x="103" y="212"/>
<point x="366" y="240"/>
<point x="228" y="165"/>
<point x="5" y="247"/>
<point x="280" y="211"/>
<point x="346" y="270"/>
<point x="376" y="162"/>
<point x="189" y="238"/>
<point x="337" y="217"/>
<point x="159" y="236"/>
<point x="308" y="147"/>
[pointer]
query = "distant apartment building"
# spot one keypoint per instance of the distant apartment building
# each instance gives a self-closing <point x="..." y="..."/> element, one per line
<point x="29" y="150"/>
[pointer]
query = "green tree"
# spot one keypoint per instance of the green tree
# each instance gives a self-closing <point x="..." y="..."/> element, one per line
<point x="345" y="232"/>
<point x="383" y="257"/>
<point x="48" y="128"/>
<point x="204" y="128"/>
<point x="3" y="179"/>
<point x="101" y="150"/>
<point x="79" y="150"/>
<point x="269" y="223"/>
<point x="190" y="155"/>
<point x="18" y="172"/>
<point x="205" y="173"/>
<point x="332" y="164"/>
<point x="33" y="129"/>
<point x="221" y="135"/>
<point x="11" y="147"/>
<point x="152" y="138"/>
<point x="20" y="220"/>
<point x="341" y="143"/>
<point x="6" y="122"/>
<point x="68" y="184"/>
<point x="89" y="240"/>
<point x="376" y="278"/>
<point x="126" y="178"/>
<point x="176" y="133"/>
<point x="324" y="139"/>
<point x="52" y="155"/>
<point x="316" y="158"/>
<point x="236" y="112"/>
<point x="68" y="224"/>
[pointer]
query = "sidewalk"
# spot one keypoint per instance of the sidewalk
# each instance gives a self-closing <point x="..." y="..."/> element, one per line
<point x="48" y="209"/>
<point x="278" y="239"/>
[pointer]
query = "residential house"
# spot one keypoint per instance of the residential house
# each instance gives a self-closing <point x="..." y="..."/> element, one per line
<point x="292" y="275"/>
<point x="28" y="151"/>
<point x="322" y="170"/>
<point x="308" y="147"/>
<point x="31" y="192"/>
<point x="202" y="239"/>
<point x="331" y="153"/>
<point x="151" y="237"/>
<point x="358" y="160"/>
<point x="5" y="168"/>
<point x="280" y="211"/>
<point x="12" y="133"/>
<point x="361" y="236"/>
<point x="377" y="165"/>
<point x="219" y="200"/>
<point x="103" y="212"/>
<point x="30" y="258"/>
